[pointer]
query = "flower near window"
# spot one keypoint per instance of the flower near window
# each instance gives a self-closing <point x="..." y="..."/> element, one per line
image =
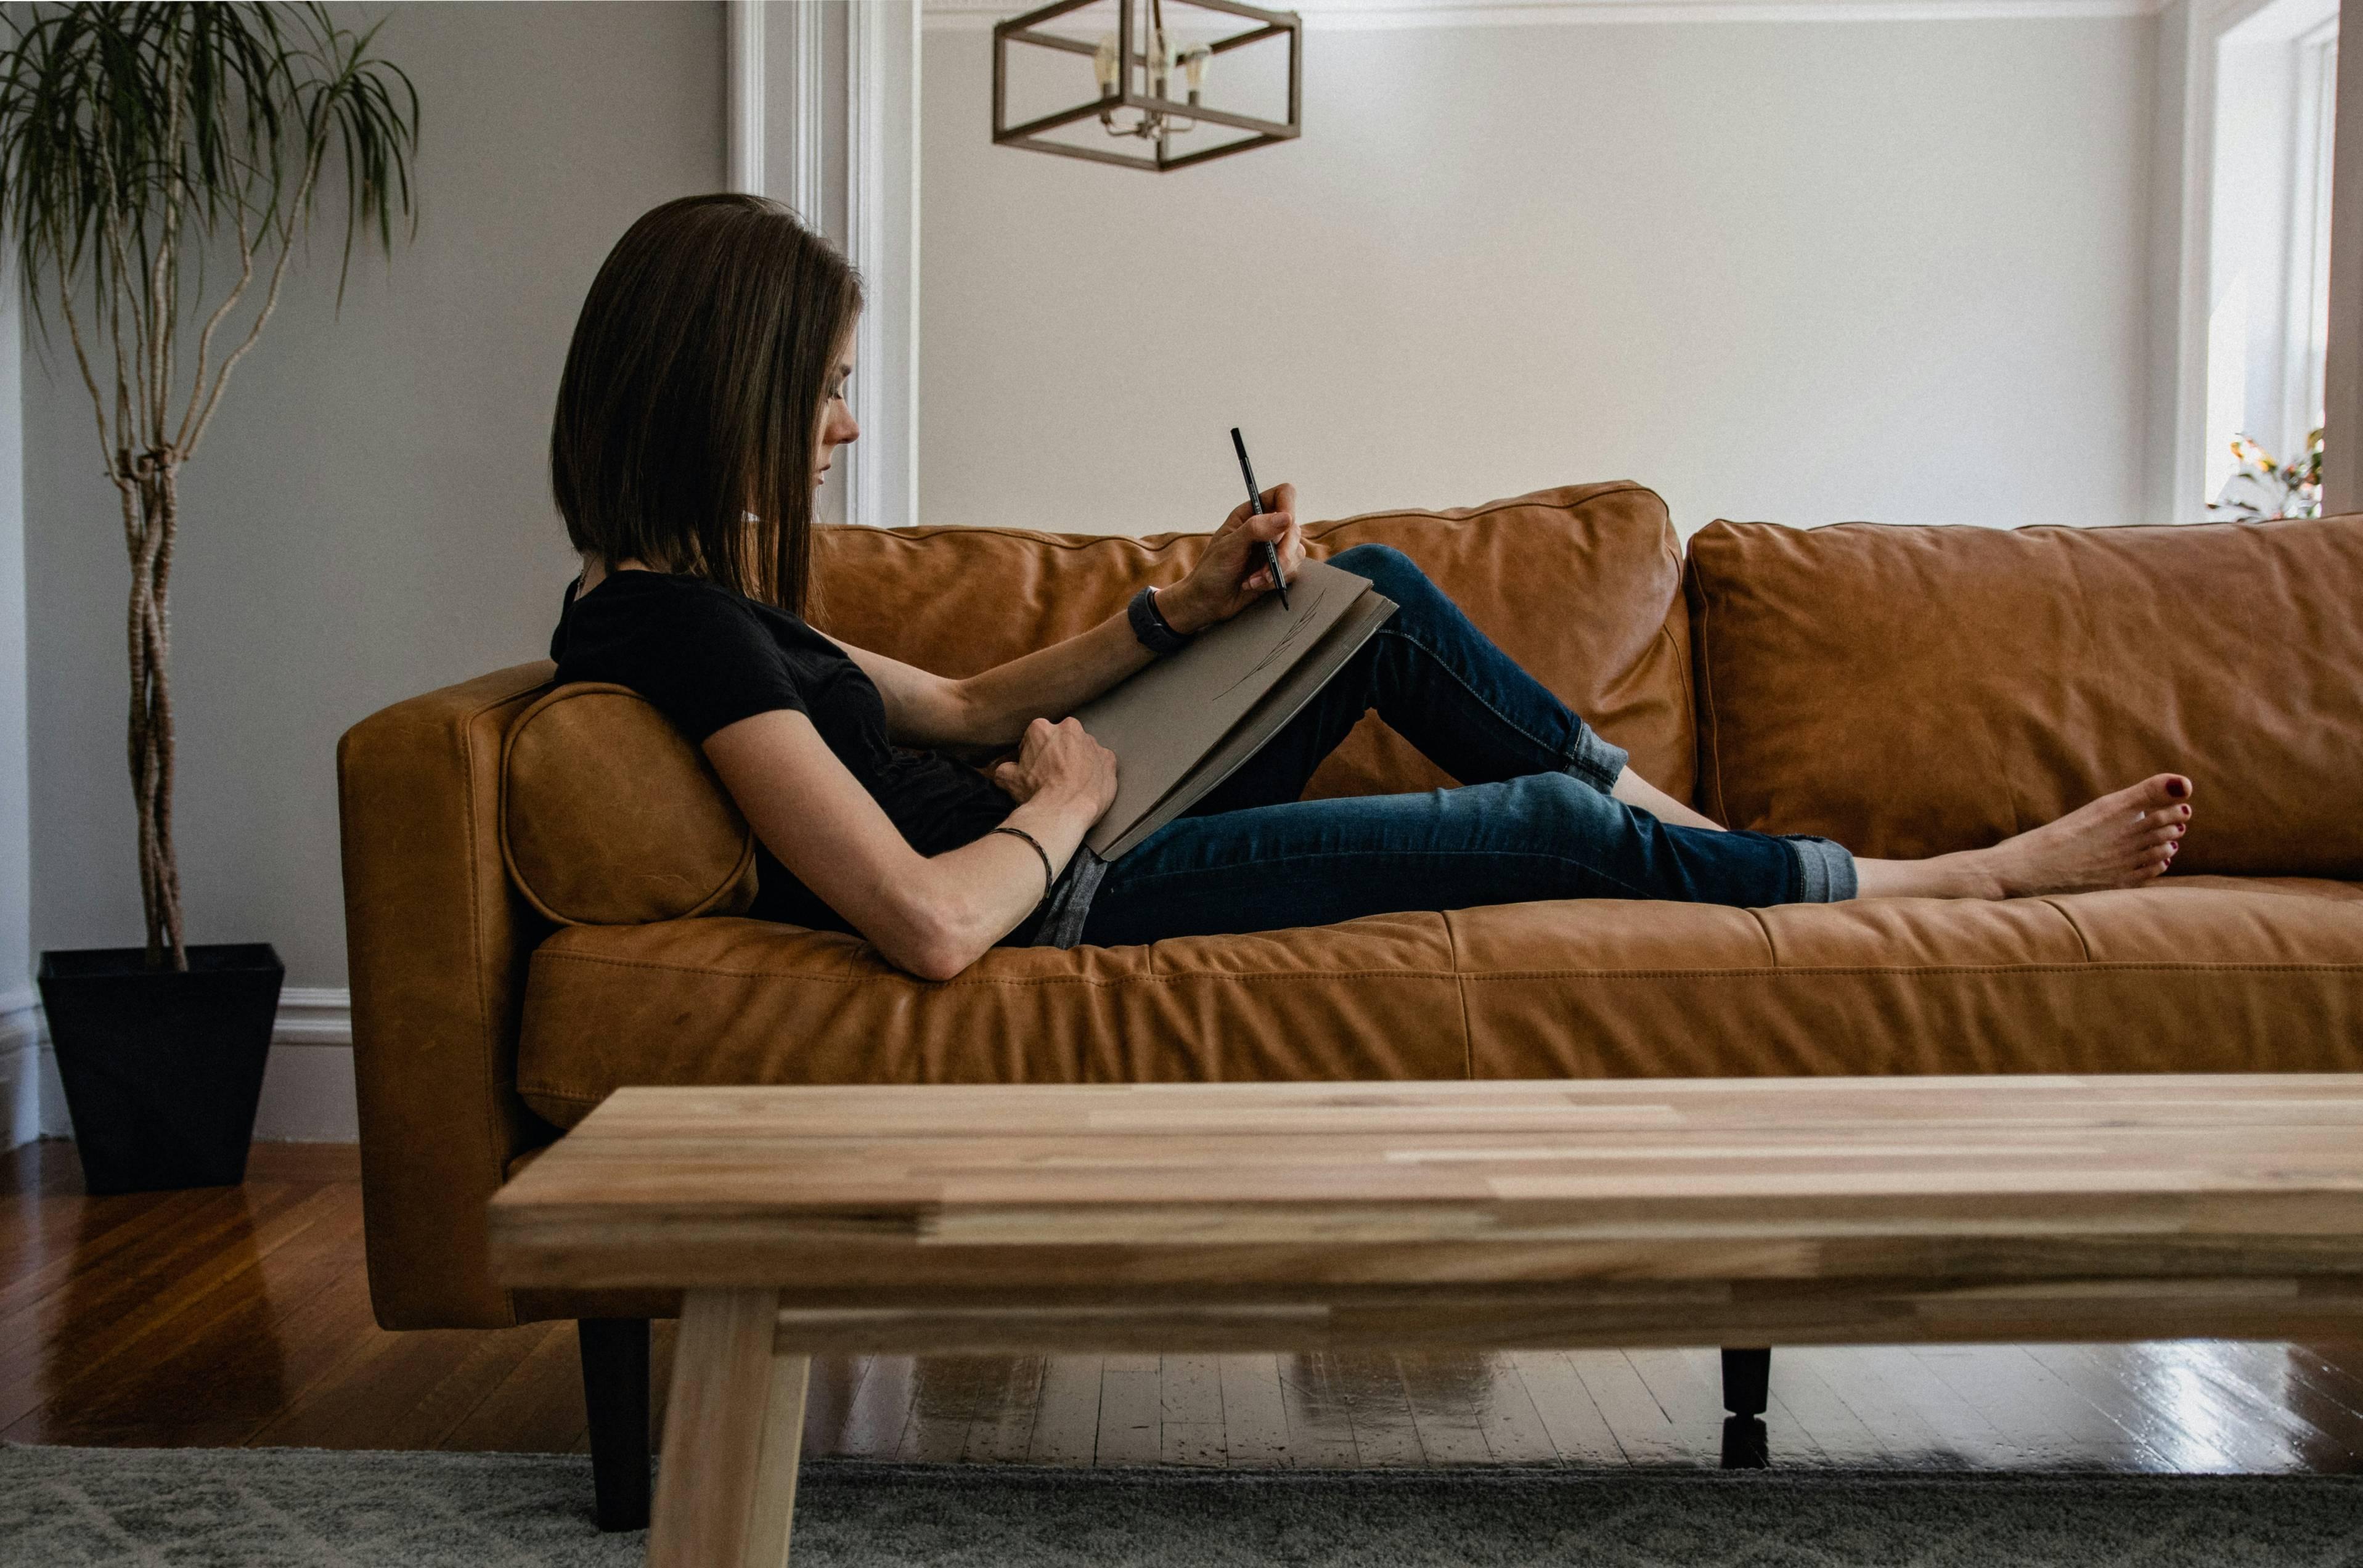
<point x="2263" y="489"/>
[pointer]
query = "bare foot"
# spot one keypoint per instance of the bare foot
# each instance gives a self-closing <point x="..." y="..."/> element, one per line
<point x="2122" y="839"/>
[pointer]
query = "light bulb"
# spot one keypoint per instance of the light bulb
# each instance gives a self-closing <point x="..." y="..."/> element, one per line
<point x="1103" y="65"/>
<point x="1194" y="67"/>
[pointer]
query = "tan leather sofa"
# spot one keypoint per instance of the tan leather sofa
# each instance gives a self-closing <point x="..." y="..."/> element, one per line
<point x="542" y="884"/>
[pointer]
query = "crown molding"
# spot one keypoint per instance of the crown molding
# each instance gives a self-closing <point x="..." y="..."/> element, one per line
<point x="1388" y="15"/>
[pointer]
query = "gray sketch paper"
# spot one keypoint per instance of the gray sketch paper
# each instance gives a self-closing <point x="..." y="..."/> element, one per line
<point x="1180" y="726"/>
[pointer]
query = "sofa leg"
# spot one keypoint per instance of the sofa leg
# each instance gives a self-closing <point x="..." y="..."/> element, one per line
<point x="1747" y="1379"/>
<point x="1745" y="1444"/>
<point x="616" y="1392"/>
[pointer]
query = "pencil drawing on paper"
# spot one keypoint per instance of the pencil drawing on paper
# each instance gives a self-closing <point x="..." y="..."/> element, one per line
<point x="1284" y="650"/>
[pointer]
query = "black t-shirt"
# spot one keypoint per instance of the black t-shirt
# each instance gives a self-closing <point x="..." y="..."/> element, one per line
<point x="707" y="658"/>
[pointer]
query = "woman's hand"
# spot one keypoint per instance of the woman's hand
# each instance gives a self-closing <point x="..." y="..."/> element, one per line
<point x="1061" y="763"/>
<point x="1231" y="575"/>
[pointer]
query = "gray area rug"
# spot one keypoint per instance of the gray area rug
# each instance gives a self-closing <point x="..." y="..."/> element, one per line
<point x="61" y="1508"/>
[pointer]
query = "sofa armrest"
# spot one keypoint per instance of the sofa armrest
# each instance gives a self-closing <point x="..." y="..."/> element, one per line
<point x="436" y="944"/>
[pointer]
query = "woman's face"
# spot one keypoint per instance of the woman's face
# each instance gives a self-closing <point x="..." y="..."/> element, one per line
<point x="837" y="425"/>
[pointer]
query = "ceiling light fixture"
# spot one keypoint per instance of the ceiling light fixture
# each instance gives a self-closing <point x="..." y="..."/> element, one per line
<point x="1137" y="67"/>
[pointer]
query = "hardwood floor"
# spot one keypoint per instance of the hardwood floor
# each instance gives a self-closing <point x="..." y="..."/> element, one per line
<point x="241" y="1315"/>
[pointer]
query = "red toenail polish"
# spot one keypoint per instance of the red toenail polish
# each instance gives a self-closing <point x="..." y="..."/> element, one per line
<point x="2178" y="789"/>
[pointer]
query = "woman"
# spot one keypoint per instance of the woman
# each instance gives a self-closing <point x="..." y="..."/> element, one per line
<point x="703" y="401"/>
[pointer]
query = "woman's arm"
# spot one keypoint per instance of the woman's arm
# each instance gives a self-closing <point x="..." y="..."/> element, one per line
<point x="932" y="916"/>
<point x="993" y="708"/>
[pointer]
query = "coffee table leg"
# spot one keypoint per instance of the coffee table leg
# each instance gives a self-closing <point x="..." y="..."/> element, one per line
<point x="775" y="1475"/>
<point x="733" y="1429"/>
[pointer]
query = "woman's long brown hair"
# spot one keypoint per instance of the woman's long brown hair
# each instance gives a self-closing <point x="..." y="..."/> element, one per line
<point x="693" y="393"/>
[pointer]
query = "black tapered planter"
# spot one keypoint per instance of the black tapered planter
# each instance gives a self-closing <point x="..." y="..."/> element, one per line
<point x="161" y="1068"/>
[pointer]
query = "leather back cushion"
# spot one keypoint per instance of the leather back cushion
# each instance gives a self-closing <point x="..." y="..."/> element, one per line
<point x="1911" y="691"/>
<point x="610" y="818"/>
<point x="1582" y="584"/>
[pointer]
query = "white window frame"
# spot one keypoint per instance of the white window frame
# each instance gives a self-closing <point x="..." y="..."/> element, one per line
<point x="2313" y="141"/>
<point x="823" y="115"/>
<point x="2192" y="34"/>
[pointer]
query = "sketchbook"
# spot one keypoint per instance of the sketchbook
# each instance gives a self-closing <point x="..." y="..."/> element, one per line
<point x="1185" y="723"/>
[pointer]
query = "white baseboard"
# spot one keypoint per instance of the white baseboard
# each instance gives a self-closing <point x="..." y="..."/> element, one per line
<point x="307" y="1086"/>
<point x="314" y="1015"/>
<point x="20" y="1067"/>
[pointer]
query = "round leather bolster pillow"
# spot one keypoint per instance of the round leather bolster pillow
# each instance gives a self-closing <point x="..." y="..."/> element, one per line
<point x="610" y="818"/>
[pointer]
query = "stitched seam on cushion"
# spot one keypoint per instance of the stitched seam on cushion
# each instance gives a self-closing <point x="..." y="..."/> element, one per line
<point x="2127" y="966"/>
<point x="1771" y="948"/>
<point x="2114" y="966"/>
<point x="1689" y="701"/>
<point x="1681" y="666"/>
<point x="476" y="947"/>
<point x="553" y="697"/>
<point x="488" y="1028"/>
<point x="1053" y="542"/>
<point x="1468" y="1035"/>
<point x="535" y="692"/>
<point x="2072" y="925"/>
<point x="1626" y="488"/>
<point x="986" y="979"/>
<point x="1703" y="657"/>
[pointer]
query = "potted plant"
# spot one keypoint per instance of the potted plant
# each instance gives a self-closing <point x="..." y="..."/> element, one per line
<point x="158" y="164"/>
<point x="2261" y="489"/>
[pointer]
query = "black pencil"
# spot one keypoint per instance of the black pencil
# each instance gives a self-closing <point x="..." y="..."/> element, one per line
<point x="1255" y="509"/>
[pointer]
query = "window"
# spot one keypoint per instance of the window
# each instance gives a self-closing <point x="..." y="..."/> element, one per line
<point x="2268" y="241"/>
<point x="2309" y="323"/>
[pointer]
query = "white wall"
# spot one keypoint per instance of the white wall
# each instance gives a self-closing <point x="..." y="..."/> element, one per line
<point x="19" y="1064"/>
<point x="1802" y="272"/>
<point x="370" y="517"/>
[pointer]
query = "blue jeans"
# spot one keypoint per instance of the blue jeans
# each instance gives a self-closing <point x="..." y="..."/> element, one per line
<point x="1532" y="819"/>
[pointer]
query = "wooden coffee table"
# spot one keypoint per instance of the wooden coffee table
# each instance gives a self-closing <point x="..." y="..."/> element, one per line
<point x="1505" y="1215"/>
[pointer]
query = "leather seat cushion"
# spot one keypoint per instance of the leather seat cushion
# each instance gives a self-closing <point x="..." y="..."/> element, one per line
<point x="738" y="1001"/>
<point x="2198" y="974"/>
<point x="1911" y="691"/>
